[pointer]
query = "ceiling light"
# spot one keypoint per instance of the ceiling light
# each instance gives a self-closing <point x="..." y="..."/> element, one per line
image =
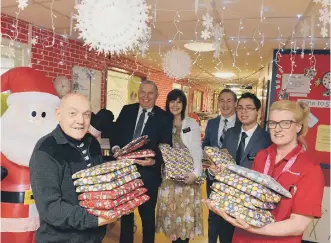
<point x="299" y="16"/>
<point x="200" y="46"/>
<point x="223" y="75"/>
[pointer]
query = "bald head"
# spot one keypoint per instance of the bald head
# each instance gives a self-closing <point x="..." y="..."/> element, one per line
<point x="74" y="115"/>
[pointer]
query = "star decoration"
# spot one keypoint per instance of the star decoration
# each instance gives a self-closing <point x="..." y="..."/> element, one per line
<point x="34" y="40"/>
<point x="317" y="82"/>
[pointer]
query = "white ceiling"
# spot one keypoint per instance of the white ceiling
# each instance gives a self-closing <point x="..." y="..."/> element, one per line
<point x="280" y="20"/>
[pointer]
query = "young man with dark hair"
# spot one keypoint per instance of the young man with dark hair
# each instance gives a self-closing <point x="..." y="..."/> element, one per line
<point x="243" y="143"/>
<point x="214" y="137"/>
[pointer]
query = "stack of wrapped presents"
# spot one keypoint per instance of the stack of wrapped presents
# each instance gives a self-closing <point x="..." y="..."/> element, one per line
<point x="110" y="190"/>
<point x="243" y="193"/>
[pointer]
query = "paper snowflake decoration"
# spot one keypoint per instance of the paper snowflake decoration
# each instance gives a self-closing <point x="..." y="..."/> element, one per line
<point x="143" y="44"/>
<point x="207" y="21"/>
<point x="325" y="15"/>
<point x="34" y="40"/>
<point x="112" y="26"/>
<point x="218" y="31"/>
<point x="22" y="4"/>
<point x="205" y="34"/>
<point x="177" y="64"/>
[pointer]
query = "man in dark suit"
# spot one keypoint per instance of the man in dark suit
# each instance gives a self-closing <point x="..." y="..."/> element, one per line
<point x="144" y="118"/>
<point x="243" y="143"/>
<point x="214" y="137"/>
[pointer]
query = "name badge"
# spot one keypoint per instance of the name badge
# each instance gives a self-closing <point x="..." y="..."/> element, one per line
<point x="185" y="130"/>
<point x="251" y="156"/>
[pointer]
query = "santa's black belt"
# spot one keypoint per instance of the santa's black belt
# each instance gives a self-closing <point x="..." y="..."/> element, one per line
<point x="17" y="197"/>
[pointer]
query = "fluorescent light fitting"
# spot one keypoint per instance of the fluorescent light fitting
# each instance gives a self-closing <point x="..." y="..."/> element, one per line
<point x="223" y="75"/>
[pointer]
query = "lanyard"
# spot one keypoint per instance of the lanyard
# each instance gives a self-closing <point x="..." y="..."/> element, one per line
<point x="286" y="167"/>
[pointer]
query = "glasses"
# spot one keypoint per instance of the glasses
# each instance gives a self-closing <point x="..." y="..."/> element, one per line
<point x="246" y="109"/>
<point x="285" y="124"/>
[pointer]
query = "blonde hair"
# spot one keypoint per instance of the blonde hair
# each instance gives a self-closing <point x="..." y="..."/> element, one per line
<point x="300" y="112"/>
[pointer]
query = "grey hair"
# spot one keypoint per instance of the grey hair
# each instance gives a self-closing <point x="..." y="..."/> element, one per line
<point x="149" y="82"/>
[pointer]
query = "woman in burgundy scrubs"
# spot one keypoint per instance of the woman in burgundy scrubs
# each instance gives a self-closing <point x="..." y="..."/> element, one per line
<point x="288" y="163"/>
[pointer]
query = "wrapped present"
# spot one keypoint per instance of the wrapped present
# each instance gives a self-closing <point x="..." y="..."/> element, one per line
<point x="108" y="186"/>
<point x="178" y="162"/>
<point x="247" y="186"/>
<point x="138" y="154"/>
<point x="110" y="204"/>
<point x="234" y="195"/>
<point x="113" y="194"/>
<point x="260" y="178"/>
<point x="103" y="168"/>
<point x="257" y="218"/>
<point x="120" y="210"/>
<point x="218" y="156"/>
<point x="132" y="146"/>
<point x="104" y="178"/>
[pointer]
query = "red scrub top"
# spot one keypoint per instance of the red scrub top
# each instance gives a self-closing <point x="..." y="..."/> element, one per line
<point x="306" y="175"/>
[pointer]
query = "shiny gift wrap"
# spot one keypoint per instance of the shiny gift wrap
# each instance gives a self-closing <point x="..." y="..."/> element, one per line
<point x="257" y="218"/>
<point x="178" y="163"/>
<point x="146" y="153"/>
<point x="110" y="204"/>
<point x="113" y="194"/>
<point x="120" y="210"/>
<point x="108" y="186"/>
<point x="103" y="168"/>
<point x="234" y="195"/>
<point x="260" y="178"/>
<point x="247" y="186"/>
<point x="105" y="178"/>
<point x="218" y="156"/>
<point x="132" y="146"/>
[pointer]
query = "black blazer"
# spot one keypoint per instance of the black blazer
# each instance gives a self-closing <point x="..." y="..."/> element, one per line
<point x="259" y="140"/>
<point x="159" y="130"/>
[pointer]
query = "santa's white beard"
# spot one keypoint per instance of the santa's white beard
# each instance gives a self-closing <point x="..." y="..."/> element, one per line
<point x="20" y="134"/>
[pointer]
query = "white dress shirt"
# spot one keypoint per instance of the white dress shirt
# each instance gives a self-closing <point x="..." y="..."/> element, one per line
<point x="249" y="134"/>
<point x="231" y="122"/>
<point x="148" y="111"/>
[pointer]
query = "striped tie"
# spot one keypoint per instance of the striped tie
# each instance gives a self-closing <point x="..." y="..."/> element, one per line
<point x="223" y="132"/>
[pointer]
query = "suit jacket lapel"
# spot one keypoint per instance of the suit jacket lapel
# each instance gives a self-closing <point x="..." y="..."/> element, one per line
<point x="134" y="118"/>
<point x="234" y="141"/>
<point x="215" y="131"/>
<point x="149" y="121"/>
<point x="251" y="143"/>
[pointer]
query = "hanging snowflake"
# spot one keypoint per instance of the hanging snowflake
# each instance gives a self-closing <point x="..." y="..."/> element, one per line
<point x="22" y="4"/>
<point x="205" y="34"/>
<point x="98" y="24"/>
<point x="34" y="40"/>
<point x="207" y="21"/>
<point x="325" y="15"/>
<point x="177" y="64"/>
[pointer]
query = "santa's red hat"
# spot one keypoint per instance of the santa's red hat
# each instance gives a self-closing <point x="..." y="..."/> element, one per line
<point x="28" y="85"/>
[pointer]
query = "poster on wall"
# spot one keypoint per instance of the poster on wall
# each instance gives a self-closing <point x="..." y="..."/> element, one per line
<point x="311" y="86"/>
<point x="88" y="83"/>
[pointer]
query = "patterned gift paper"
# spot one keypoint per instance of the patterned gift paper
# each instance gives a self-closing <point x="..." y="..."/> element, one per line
<point x="113" y="194"/>
<point x="249" y="187"/>
<point x="260" y="178"/>
<point x="234" y="195"/>
<point x="257" y="218"/>
<point x="138" y="154"/>
<point x="104" y="178"/>
<point x="218" y="156"/>
<point x="109" y="204"/>
<point x="178" y="162"/>
<point x="120" y="210"/>
<point x="103" y="168"/>
<point x="132" y="146"/>
<point x="108" y="186"/>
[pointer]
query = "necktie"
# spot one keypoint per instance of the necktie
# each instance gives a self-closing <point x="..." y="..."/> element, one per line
<point x="241" y="147"/>
<point x="223" y="132"/>
<point x="140" y="125"/>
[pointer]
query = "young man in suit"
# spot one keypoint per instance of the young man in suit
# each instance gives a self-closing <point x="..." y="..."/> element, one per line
<point x="144" y="118"/>
<point x="214" y="137"/>
<point x="243" y="143"/>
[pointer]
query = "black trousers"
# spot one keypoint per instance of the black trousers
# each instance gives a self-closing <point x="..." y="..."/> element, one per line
<point x="147" y="215"/>
<point x="218" y="228"/>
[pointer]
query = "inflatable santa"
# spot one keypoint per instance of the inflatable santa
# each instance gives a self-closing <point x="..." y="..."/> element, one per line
<point x="30" y="115"/>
